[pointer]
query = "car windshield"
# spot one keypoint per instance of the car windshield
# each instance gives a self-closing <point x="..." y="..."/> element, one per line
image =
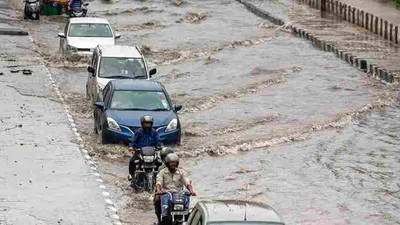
<point x="244" y="223"/>
<point x="140" y="100"/>
<point x="90" y="30"/>
<point x="111" y="67"/>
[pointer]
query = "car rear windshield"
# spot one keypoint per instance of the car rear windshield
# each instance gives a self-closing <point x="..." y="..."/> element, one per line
<point x="244" y="223"/>
<point x="90" y="30"/>
<point x="140" y="100"/>
<point x="114" y="68"/>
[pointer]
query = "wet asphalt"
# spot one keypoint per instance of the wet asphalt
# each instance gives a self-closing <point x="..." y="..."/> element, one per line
<point x="44" y="178"/>
<point x="262" y="109"/>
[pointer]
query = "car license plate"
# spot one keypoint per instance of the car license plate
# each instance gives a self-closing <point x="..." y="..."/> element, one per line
<point x="180" y="213"/>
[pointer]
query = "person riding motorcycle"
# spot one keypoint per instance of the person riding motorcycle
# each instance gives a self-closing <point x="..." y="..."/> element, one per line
<point x="144" y="137"/>
<point x="77" y="6"/>
<point x="170" y="179"/>
<point x="157" y="201"/>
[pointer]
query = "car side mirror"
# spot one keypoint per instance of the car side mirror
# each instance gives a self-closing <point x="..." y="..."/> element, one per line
<point x="86" y="4"/>
<point x="177" y="107"/>
<point x="117" y="36"/>
<point x="99" y="105"/>
<point x="90" y="69"/>
<point x="61" y="35"/>
<point x="152" y="72"/>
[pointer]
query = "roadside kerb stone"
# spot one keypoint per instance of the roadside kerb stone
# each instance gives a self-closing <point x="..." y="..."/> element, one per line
<point x="362" y="65"/>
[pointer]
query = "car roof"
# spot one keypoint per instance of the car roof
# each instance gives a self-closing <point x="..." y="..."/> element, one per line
<point x="136" y="85"/>
<point x="235" y="210"/>
<point x="88" y="20"/>
<point x="119" y="51"/>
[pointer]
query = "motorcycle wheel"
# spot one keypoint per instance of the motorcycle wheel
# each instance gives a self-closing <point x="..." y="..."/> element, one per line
<point x="139" y="181"/>
<point x="166" y="220"/>
<point x="149" y="183"/>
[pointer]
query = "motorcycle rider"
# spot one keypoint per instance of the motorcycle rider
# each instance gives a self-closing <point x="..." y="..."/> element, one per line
<point x="157" y="201"/>
<point x="170" y="179"/>
<point x="145" y="136"/>
<point x="77" y="5"/>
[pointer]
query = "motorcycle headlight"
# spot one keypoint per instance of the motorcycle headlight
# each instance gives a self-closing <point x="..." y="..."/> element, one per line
<point x="173" y="125"/>
<point x="179" y="207"/>
<point x="148" y="159"/>
<point x="72" y="48"/>
<point x="112" y="124"/>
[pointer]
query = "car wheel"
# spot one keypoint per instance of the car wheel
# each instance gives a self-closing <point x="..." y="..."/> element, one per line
<point x="87" y="93"/>
<point x="96" y="126"/>
<point x="103" y="137"/>
<point x="178" y="142"/>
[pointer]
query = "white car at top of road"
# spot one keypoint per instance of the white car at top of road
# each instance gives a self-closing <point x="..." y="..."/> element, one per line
<point x="115" y="62"/>
<point x="81" y="35"/>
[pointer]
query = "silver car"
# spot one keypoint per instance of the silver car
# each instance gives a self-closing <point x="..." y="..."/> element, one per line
<point x="233" y="212"/>
<point x="115" y="62"/>
<point x="83" y="34"/>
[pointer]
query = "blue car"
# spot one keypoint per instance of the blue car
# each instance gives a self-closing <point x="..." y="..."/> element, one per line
<point x="117" y="118"/>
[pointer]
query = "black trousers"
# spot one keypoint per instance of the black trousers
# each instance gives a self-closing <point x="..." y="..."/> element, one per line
<point x="157" y="207"/>
<point x="132" y="164"/>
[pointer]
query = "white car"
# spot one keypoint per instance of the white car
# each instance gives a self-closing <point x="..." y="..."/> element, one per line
<point x="115" y="62"/>
<point x="83" y="34"/>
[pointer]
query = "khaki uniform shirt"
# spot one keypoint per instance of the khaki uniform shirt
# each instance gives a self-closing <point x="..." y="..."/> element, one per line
<point x="172" y="182"/>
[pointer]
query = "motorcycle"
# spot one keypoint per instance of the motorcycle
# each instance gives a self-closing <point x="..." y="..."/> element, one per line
<point x="178" y="208"/>
<point x="78" y="13"/>
<point x="32" y="9"/>
<point x="147" y="168"/>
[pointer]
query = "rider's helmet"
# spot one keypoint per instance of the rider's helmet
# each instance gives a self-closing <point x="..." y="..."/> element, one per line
<point x="172" y="161"/>
<point x="146" y="120"/>
<point x="165" y="151"/>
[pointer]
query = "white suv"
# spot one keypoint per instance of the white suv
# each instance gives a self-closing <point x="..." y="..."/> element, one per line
<point x="82" y="35"/>
<point x="115" y="62"/>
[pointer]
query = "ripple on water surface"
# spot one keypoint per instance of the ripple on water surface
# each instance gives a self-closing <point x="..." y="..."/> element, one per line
<point x="346" y="177"/>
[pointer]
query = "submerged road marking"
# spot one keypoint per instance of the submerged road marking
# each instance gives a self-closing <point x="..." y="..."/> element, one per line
<point x="112" y="211"/>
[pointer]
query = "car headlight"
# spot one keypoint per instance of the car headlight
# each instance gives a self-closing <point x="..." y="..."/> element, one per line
<point x="173" y="125"/>
<point x="112" y="124"/>
<point x="72" y="48"/>
<point x="100" y="88"/>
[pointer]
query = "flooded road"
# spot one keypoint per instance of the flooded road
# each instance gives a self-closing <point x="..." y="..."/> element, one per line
<point x="323" y="137"/>
<point x="336" y="177"/>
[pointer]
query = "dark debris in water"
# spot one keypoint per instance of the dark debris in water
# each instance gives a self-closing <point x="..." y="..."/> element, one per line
<point x="192" y="18"/>
<point x="120" y="11"/>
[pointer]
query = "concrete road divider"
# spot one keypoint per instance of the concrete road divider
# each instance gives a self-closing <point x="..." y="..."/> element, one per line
<point x="361" y="64"/>
<point x="13" y="31"/>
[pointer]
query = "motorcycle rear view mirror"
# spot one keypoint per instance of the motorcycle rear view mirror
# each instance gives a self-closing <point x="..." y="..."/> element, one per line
<point x="85" y="4"/>
<point x="90" y="69"/>
<point x="152" y="72"/>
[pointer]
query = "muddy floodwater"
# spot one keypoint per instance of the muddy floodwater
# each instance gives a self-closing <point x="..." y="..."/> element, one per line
<point x="266" y="116"/>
